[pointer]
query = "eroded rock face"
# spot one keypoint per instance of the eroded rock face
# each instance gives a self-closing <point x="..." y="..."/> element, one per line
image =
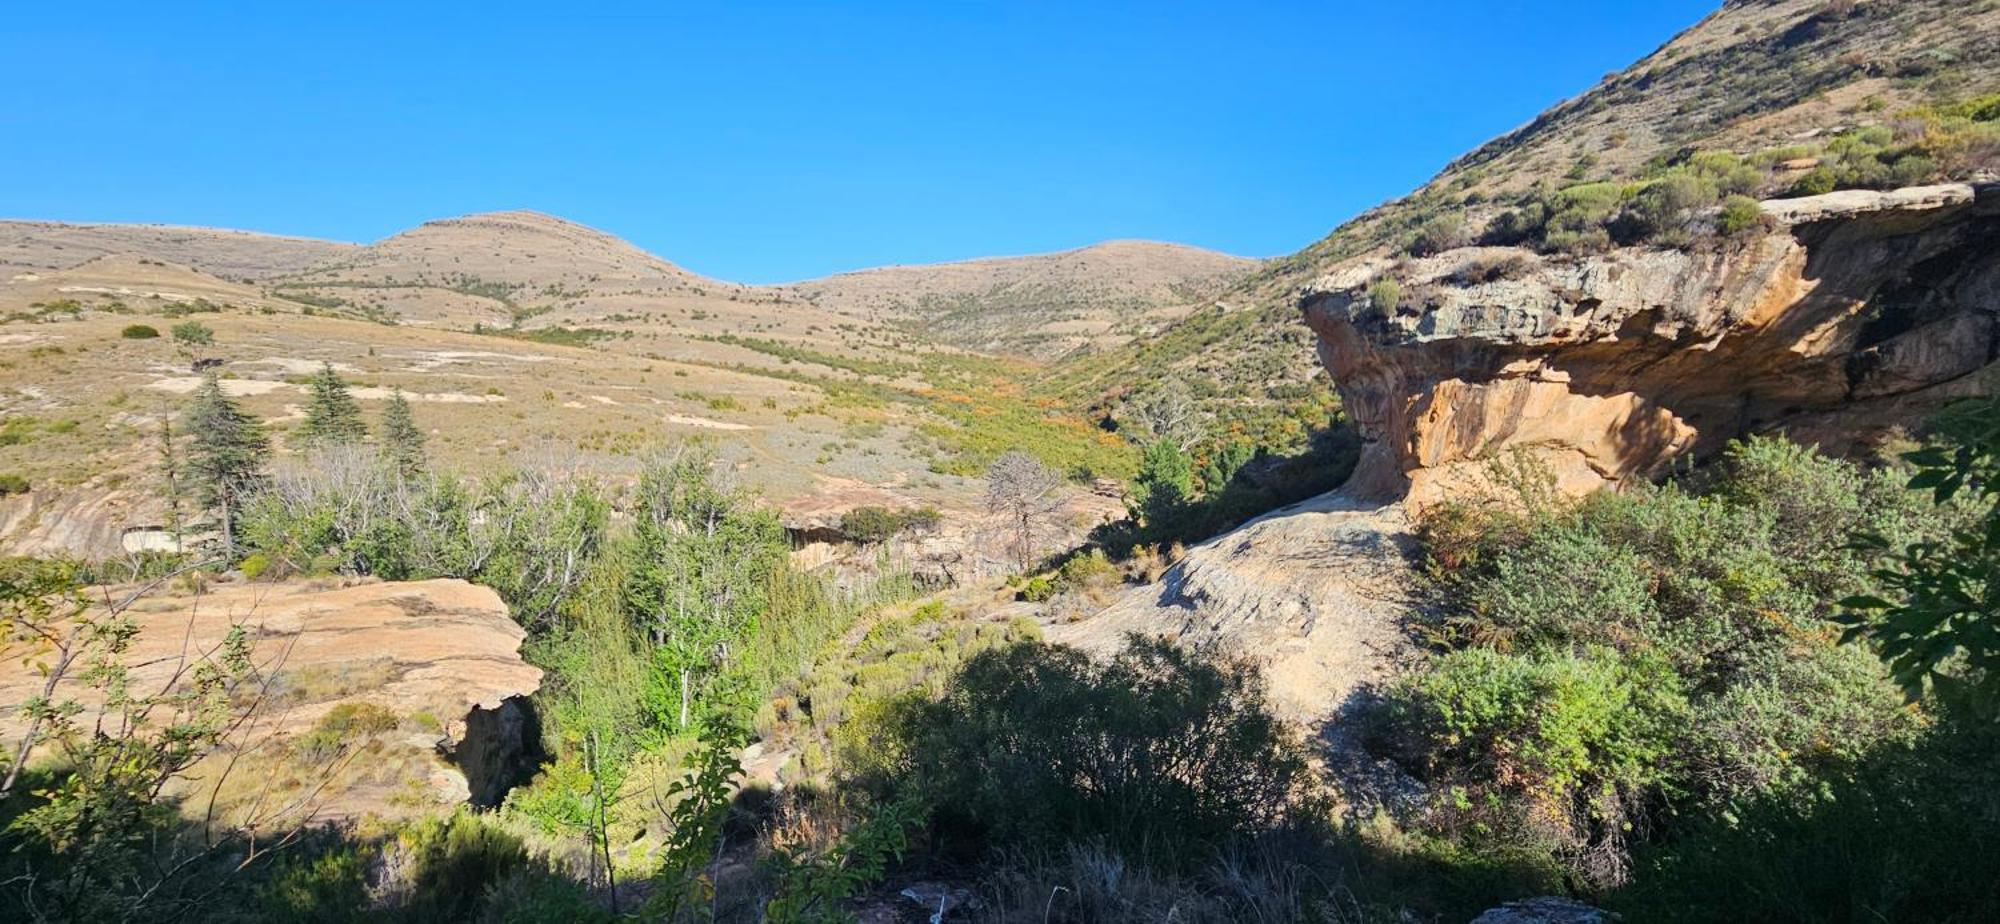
<point x="1857" y="312"/>
<point x="498" y="749"/>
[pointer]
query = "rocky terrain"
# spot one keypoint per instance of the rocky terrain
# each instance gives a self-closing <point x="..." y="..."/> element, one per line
<point x="1869" y="308"/>
<point x="439" y="659"/>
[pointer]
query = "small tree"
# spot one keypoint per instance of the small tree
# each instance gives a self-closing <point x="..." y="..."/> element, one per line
<point x="704" y="560"/>
<point x="1163" y="488"/>
<point x="402" y="442"/>
<point x="1029" y="494"/>
<point x="225" y="456"/>
<point x="332" y="417"/>
<point x="1170" y="414"/>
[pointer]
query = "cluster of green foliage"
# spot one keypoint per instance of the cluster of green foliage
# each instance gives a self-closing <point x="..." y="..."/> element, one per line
<point x="1186" y="497"/>
<point x="1610" y="668"/>
<point x="871" y="524"/>
<point x="1077" y="573"/>
<point x="1158" y="753"/>
<point x="831" y="706"/>
<point x="554" y="335"/>
<point x="140" y="332"/>
<point x="1933" y="620"/>
<point x="788" y="353"/>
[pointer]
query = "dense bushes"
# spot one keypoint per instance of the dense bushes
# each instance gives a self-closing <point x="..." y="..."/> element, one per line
<point x="1611" y="665"/>
<point x="1904" y="837"/>
<point x="871" y="524"/>
<point x="1186" y="497"/>
<point x="530" y="536"/>
<point x="1158" y="753"/>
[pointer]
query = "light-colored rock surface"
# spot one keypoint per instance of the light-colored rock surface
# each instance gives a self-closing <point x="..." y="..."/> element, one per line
<point x="1865" y="307"/>
<point x="441" y="649"/>
<point x="1545" y="910"/>
<point x="1314" y="593"/>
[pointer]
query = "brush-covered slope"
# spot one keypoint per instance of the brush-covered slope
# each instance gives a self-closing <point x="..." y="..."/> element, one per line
<point x="1776" y="81"/>
<point x="1045" y="304"/>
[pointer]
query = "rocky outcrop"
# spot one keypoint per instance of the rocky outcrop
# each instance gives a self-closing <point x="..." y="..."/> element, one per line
<point x="441" y="657"/>
<point x="1314" y="593"/>
<point x="90" y="521"/>
<point x="1853" y="314"/>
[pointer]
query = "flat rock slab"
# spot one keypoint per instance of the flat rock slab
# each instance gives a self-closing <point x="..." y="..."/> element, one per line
<point x="438" y="649"/>
<point x="1314" y="593"/>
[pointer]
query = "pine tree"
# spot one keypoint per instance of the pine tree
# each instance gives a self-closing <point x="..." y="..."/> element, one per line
<point x="332" y="417"/>
<point x="402" y="442"/>
<point x="225" y="456"/>
<point x="170" y="471"/>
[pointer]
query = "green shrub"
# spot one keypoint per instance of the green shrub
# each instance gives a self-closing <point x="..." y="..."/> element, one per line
<point x="1440" y="233"/>
<point x="139" y="332"/>
<point x="342" y="727"/>
<point x="1159" y="753"/>
<point x="320" y="887"/>
<point x="1904" y="836"/>
<point x="872" y="524"/>
<point x="1700" y="614"/>
<point x="254" y="565"/>
<point x="1384" y="296"/>
<point x="1741" y="213"/>
<point x="11" y="483"/>
<point x="193" y="333"/>
<point x="1577" y="744"/>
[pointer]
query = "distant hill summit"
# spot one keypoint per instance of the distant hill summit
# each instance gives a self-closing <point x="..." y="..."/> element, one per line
<point x="32" y="246"/>
<point x="1043" y="304"/>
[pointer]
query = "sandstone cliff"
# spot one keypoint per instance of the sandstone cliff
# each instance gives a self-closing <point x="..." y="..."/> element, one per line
<point x="1854" y="314"/>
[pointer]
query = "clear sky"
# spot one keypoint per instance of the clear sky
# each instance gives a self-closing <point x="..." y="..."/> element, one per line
<point x="764" y="142"/>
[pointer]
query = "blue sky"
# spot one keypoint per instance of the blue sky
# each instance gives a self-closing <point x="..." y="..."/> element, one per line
<point x="767" y="142"/>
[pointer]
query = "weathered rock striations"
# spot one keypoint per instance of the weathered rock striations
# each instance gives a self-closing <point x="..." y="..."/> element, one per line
<point x="1853" y="314"/>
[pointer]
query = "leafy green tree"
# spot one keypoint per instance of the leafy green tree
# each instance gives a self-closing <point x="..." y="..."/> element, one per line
<point x="332" y="417"/>
<point x="1936" y="620"/>
<point x="225" y="457"/>
<point x="704" y="558"/>
<point x="402" y="442"/>
<point x="98" y="841"/>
